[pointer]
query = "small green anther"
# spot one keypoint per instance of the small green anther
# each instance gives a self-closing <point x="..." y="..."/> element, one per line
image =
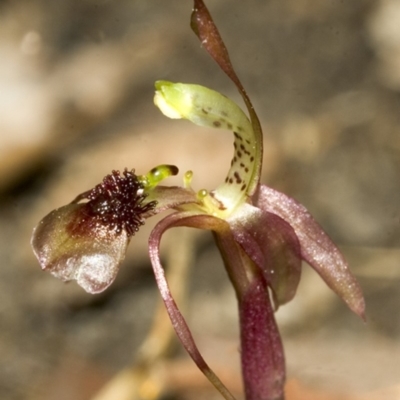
<point x="202" y="194"/>
<point x="157" y="174"/>
<point x="187" y="179"/>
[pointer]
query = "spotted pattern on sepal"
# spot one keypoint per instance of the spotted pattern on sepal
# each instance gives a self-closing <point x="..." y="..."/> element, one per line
<point x="206" y="107"/>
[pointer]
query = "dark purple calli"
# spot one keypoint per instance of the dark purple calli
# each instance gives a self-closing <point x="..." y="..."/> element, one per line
<point x="262" y="234"/>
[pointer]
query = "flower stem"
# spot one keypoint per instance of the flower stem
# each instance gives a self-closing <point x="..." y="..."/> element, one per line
<point x="263" y="362"/>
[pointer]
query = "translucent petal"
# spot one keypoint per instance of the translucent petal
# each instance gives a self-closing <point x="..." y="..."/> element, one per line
<point x="74" y="248"/>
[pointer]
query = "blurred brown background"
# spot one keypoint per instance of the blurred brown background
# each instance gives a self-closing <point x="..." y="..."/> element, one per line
<point x="76" y="88"/>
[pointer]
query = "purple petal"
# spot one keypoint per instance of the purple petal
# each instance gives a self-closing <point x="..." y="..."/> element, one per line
<point x="263" y="361"/>
<point x="317" y="248"/>
<point x="273" y="245"/>
<point x="178" y="321"/>
<point x="168" y="197"/>
<point x="71" y="248"/>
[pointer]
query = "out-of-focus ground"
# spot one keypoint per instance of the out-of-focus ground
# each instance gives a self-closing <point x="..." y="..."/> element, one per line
<point x="76" y="87"/>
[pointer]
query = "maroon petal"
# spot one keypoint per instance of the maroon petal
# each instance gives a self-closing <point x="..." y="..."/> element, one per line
<point x="263" y="361"/>
<point x="177" y="319"/>
<point x="272" y="245"/>
<point x="71" y="246"/>
<point x="316" y="247"/>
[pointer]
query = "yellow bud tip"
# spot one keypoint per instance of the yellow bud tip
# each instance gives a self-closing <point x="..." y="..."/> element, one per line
<point x="172" y="100"/>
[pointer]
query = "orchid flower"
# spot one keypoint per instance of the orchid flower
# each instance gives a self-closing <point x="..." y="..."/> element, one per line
<point x="262" y="234"/>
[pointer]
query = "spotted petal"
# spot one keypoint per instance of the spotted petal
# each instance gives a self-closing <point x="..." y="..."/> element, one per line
<point x="204" y="27"/>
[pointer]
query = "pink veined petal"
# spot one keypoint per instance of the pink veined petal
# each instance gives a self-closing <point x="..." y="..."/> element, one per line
<point x="273" y="245"/>
<point x="182" y="330"/>
<point x="317" y="248"/>
<point x="263" y="361"/>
